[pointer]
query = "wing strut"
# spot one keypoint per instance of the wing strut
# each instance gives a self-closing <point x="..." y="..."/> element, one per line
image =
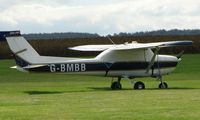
<point x="111" y="40"/>
<point x="151" y="63"/>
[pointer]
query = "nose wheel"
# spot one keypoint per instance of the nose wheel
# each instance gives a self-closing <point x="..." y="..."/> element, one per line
<point x="162" y="85"/>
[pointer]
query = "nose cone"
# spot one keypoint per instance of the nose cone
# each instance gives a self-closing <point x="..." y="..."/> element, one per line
<point x="179" y="59"/>
<point x="168" y="58"/>
<point x="169" y="63"/>
<point x="175" y="59"/>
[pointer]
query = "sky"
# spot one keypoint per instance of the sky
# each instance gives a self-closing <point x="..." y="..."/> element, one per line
<point x="98" y="16"/>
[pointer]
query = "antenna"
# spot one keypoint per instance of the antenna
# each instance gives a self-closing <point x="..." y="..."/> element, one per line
<point x="110" y="40"/>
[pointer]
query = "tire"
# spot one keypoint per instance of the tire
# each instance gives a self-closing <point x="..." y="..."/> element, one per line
<point x="163" y="85"/>
<point x="139" y="85"/>
<point x="116" y="86"/>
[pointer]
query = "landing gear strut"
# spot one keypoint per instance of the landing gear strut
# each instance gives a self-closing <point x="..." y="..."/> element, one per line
<point x="116" y="85"/>
<point x="162" y="85"/>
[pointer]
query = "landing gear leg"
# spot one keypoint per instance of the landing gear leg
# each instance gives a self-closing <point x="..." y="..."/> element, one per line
<point x="116" y="85"/>
<point x="162" y="85"/>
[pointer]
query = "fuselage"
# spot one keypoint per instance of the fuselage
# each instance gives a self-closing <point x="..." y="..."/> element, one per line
<point x="112" y="62"/>
<point x="164" y="64"/>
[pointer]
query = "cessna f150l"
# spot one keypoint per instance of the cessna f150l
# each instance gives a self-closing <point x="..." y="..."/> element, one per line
<point x="129" y="60"/>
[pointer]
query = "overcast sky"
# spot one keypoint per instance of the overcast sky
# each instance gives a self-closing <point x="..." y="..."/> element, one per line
<point x="98" y="16"/>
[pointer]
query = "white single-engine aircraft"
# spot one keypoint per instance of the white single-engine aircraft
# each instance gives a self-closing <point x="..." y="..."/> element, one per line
<point x="129" y="60"/>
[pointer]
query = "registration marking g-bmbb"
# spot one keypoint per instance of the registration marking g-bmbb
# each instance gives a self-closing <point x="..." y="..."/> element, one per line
<point x="67" y="67"/>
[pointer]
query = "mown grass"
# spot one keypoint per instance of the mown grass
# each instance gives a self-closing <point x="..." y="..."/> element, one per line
<point x="65" y="97"/>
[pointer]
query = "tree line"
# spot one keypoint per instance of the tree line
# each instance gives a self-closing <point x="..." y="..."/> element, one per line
<point x="65" y="35"/>
<point x="59" y="47"/>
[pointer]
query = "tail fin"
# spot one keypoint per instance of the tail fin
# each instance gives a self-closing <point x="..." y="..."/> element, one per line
<point x="23" y="52"/>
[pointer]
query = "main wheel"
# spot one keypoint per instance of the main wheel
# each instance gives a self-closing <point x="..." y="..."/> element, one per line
<point x="116" y="85"/>
<point x="139" y="85"/>
<point x="163" y="85"/>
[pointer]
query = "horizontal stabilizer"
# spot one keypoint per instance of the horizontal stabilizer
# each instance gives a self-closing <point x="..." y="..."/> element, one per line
<point x="24" y="69"/>
<point x="33" y="66"/>
<point x="19" y="68"/>
<point x="14" y="67"/>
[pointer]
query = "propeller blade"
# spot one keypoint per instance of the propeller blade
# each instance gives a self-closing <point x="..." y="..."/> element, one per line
<point x="180" y="54"/>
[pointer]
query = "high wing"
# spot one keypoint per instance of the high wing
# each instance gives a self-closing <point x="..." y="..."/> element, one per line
<point x="131" y="46"/>
<point x="152" y="45"/>
<point x="91" y="47"/>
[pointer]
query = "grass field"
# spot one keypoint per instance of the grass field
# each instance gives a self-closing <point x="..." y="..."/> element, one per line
<point x="26" y="96"/>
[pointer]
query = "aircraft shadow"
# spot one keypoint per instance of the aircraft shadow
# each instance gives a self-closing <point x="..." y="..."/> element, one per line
<point x="54" y="92"/>
<point x="93" y="89"/>
<point x="42" y="92"/>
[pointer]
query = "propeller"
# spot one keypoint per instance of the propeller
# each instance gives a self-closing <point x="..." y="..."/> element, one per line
<point x="180" y="54"/>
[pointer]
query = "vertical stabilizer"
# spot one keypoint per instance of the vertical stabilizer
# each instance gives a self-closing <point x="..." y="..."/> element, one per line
<point x="23" y="52"/>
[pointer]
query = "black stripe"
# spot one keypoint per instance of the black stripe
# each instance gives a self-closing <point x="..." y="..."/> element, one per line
<point x="114" y="66"/>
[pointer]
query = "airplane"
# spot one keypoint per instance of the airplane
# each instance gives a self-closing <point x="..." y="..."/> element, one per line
<point x="128" y="60"/>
